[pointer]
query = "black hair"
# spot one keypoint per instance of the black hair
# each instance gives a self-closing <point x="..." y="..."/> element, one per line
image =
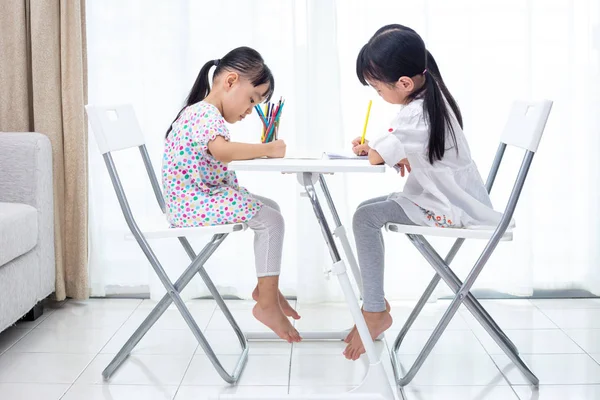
<point x="393" y="53"/>
<point x="245" y="61"/>
<point x="431" y="67"/>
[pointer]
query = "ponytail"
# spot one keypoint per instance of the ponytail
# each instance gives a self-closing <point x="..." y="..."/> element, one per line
<point x="439" y="118"/>
<point x="199" y="91"/>
<point x="435" y="71"/>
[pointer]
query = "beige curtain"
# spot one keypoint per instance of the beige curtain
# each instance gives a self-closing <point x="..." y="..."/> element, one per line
<point x="43" y="88"/>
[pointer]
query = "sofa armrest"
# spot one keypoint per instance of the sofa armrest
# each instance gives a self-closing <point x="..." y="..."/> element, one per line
<point x="26" y="169"/>
<point x="26" y="177"/>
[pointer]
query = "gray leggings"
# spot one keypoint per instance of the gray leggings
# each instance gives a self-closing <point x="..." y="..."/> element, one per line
<point x="269" y="228"/>
<point x="370" y="217"/>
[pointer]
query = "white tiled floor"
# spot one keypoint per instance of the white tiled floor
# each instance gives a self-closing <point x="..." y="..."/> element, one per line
<point x="61" y="355"/>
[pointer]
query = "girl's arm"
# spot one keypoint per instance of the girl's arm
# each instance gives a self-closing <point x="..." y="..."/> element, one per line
<point x="375" y="158"/>
<point x="225" y="151"/>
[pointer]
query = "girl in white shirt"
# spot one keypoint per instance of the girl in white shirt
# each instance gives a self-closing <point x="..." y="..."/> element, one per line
<point x="444" y="189"/>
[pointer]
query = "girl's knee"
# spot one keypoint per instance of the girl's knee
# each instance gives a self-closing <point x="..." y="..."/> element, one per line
<point x="270" y="203"/>
<point x="277" y="222"/>
<point x="360" y="218"/>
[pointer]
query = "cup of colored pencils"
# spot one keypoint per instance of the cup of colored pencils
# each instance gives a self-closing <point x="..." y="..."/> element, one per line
<point x="270" y="114"/>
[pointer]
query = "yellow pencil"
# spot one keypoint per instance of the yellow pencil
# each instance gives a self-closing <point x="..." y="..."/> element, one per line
<point x="362" y="140"/>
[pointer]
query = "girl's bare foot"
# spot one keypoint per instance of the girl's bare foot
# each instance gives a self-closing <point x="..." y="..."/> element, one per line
<point x="272" y="316"/>
<point x="377" y="323"/>
<point x="285" y="306"/>
<point x="353" y="331"/>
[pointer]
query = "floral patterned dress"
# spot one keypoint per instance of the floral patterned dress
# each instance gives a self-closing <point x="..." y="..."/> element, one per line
<point x="198" y="189"/>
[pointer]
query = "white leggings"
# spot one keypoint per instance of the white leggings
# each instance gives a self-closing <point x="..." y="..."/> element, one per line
<point x="269" y="229"/>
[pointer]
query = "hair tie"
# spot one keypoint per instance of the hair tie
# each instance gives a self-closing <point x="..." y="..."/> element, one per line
<point x="217" y="62"/>
<point x="424" y="71"/>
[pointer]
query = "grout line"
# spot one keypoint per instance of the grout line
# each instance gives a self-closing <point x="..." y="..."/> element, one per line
<point x="100" y="351"/>
<point x="186" y="371"/>
<point x="289" y="385"/>
<point x="569" y="336"/>
<point x="30" y="330"/>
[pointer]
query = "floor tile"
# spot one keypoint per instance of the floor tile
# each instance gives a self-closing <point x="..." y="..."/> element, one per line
<point x="42" y="367"/>
<point x="104" y="304"/>
<point x="451" y="342"/>
<point x="330" y="347"/>
<point x="326" y="370"/>
<point x="243" y="317"/>
<point x="553" y="369"/>
<point x="325" y="317"/>
<point x="451" y="370"/>
<point x="153" y="370"/>
<point x="575" y="319"/>
<point x="226" y="342"/>
<point x="50" y="306"/>
<point x="518" y="317"/>
<point x="171" y="319"/>
<point x="329" y="390"/>
<point x="63" y="340"/>
<point x="532" y="341"/>
<point x="197" y="304"/>
<point x="558" y="392"/>
<point x="260" y="370"/>
<point x="83" y="317"/>
<point x="588" y="339"/>
<point x="11" y="336"/>
<point x="156" y="341"/>
<point x="459" y="393"/>
<point x="32" y="391"/>
<point x="566" y="303"/>
<point x="120" y="392"/>
<point x="427" y="319"/>
<point x="209" y="392"/>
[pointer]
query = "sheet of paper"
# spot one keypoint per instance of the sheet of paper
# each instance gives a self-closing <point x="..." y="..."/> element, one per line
<point x="344" y="156"/>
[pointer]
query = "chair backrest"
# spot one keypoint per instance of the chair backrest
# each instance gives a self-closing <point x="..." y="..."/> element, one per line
<point x="115" y="127"/>
<point x="524" y="129"/>
<point x="526" y="123"/>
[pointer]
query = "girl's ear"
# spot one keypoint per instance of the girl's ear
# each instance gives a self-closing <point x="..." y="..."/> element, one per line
<point x="405" y="84"/>
<point x="230" y="79"/>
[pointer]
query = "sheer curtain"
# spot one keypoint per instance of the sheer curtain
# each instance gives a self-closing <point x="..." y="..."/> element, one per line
<point x="148" y="53"/>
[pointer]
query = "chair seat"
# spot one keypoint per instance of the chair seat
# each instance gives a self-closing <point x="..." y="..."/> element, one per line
<point x="484" y="233"/>
<point x="159" y="229"/>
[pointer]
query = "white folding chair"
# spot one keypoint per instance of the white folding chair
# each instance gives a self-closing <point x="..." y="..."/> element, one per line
<point x="524" y="129"/>
<point x="116" y="128"/>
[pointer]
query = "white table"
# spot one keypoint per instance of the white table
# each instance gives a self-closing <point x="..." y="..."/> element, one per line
<point x="375" y="385"/>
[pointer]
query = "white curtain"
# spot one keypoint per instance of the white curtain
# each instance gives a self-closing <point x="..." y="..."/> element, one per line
<point x="148" y="53"/>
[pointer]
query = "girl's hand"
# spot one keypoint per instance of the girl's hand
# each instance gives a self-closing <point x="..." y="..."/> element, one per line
<point x="360" y="149"/>
<point x="276" y="149"/>
<point x="404" y="165"/>
<point x="356" y="141"/>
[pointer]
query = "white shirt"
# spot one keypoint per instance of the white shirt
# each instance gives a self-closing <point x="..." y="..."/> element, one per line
<point x="448" y="193"/>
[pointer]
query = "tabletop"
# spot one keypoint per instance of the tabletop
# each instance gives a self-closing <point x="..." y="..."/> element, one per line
<point x="296" y="165"/>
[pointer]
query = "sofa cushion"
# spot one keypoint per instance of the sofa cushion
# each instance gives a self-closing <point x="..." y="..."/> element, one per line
<point x="18" y="230"/>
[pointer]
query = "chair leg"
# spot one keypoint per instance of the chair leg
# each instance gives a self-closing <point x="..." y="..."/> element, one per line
<point x="172" y="295"/>
<point x="423" y="300"/>
<point x="216" y="295"/>
<point x="441" y="267"/>
<point x="472" y="304"/>
<point x="418" y="308"/>
<point x="431" y="342"/>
